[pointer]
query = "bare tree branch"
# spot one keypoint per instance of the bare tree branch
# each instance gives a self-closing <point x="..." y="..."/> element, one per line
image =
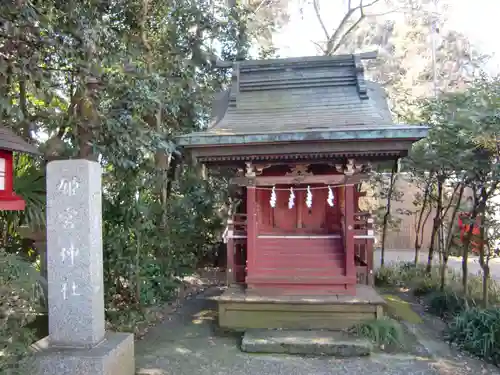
<point x="334" y="41"/>
<point x="353" y="27"/>
<point x="318" y="15"/>
<point x="338" y="30"/>
<point x="261" y="5"/>
<point x="319" y="46"/>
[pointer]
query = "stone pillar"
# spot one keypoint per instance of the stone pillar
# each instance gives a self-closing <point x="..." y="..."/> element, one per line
<point x="77" y="341"/>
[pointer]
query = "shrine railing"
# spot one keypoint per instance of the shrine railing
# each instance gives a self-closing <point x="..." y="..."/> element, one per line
<point x="236" y="228"/>
<point x="364" y="237"/>
<point x="236" y="232"/>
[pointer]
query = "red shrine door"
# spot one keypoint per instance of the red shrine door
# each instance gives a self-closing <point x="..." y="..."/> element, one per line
<point x="297" y="250"/>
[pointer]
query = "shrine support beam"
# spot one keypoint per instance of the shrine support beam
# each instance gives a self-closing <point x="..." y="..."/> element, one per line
<point x="290" y="180"/>
<point x="230" y="248"/>
<point x="251" y="224"/>
<point x="350" y="267"/>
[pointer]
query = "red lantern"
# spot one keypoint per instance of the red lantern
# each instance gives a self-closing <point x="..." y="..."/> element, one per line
<point x="9" y="142"/>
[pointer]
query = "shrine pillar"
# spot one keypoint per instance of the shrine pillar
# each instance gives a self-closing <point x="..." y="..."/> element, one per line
<point x="230" y="249"/>
<point x="350" y="267"/>
<point x="251" y="225"/>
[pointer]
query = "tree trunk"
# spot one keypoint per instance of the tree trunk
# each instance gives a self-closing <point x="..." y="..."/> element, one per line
<point x="452" y="223"/>
<point x="443" y="268"/>
<point x="436" y="224"/>
<point x="486" y="282"/>
<point x="420" y="222"/>
<point x="483" y="257"/>
<point x="465" y="252"/>
<point x="387" y="214"/>
<point x="449" y="238"/>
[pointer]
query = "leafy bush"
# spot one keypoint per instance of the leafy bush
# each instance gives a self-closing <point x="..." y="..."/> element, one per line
<point x="390" y="275"/>
<point x="424" y="285"/>
<point x="147" y="249"/>
<point x="384" y="331"/>
<point x="478" y="332"/>
<point x="447" y="304"/>
<point x="17" y="308"/>
<point x="399" y="274"/>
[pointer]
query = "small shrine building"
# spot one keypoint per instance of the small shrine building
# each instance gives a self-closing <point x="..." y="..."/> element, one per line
<point x="301" y="135"/>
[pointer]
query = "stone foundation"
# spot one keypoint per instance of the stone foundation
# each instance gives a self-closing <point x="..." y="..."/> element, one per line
<point x="113" y="356"/>
<point x="304" y="343"/>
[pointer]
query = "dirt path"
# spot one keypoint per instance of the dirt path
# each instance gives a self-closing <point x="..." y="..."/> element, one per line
<point x="186" y="344"/>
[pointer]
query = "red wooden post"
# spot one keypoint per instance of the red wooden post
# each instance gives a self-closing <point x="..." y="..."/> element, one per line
<point x="369" y="249"/>
<point x="251" y="227"/>
<point x="230" y="263"/>
<point x="350" y="266"/>
<point x="9" y="201"/>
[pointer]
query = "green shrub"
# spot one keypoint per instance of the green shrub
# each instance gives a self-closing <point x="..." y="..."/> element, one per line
<point x="384" y="331"/>
<point x="390" y="275"/>
<point x="447" y="304"/>
<point x="398" y="274"/>
<point x="475" y="289"/>
<point x="408" y="266"/>
<point x="17" y="308"/>
<point x="478" y="332"/>
<point x="424" y="285"/>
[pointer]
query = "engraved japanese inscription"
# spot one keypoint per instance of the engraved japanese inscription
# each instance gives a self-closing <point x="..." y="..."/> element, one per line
<point x="74" y="253"/>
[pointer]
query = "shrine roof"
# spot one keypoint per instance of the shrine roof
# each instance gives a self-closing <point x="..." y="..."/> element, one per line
<point x="300" y="99"/>
<point x="11" y="142"/>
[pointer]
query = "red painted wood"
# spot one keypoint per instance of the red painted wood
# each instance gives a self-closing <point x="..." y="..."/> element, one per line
<point x="252" y="215"/>
<point x="283" y="260"/>
<point x="313" y="220"/>
<point x="304" y="290"/>
<point x="13" y="204"/>
<point x="9" y="201"/>
<point x="239" y="263"/>
<point x="9" y="173"/>
<point x="315" y="179"/>
<point x="349" y="231"/>
<point x="308" y="275"/>
<point x="230" y="262"/>
<point x="300" y="219"/>
<point x="295" y="262"/>
<point x="306" y="261"/>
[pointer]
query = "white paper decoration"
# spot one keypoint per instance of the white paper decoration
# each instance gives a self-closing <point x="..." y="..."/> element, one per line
<point x="291" y="199"/>
<point x="331" y="197"/>
<point x="272" y="201"/>
<point x="309" y="198"/>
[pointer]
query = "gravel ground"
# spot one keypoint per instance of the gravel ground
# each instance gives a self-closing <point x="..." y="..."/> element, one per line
<point x="185" y="344"/>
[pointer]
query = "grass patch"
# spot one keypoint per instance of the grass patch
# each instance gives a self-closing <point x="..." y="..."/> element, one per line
<point x="401" y="310"/>
<point x="382" y="332"/>
<point x="477" y="331"/>
<point x="468" y="326"/>
<point x="424" y="284"/>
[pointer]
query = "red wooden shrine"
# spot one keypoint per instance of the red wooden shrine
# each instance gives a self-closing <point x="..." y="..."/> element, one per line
<point x="310" y="128"/>
<point x="299" y="248"/>
<point x="9" y="142"/>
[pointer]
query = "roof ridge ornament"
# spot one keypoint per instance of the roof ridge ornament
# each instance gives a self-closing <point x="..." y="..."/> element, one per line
<point x="360" y="77"/>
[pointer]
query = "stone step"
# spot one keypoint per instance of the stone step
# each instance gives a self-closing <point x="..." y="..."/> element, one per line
<point x="327" y="343"/>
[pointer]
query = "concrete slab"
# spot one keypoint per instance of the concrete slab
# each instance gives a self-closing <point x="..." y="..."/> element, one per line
<point x="304" y="342"/>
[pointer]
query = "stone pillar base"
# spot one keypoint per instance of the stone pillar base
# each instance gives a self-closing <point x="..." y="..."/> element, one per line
<point x="114" y="356"/>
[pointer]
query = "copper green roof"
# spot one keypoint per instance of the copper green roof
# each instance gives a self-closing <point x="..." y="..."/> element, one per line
<point x="299" y="99"/>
